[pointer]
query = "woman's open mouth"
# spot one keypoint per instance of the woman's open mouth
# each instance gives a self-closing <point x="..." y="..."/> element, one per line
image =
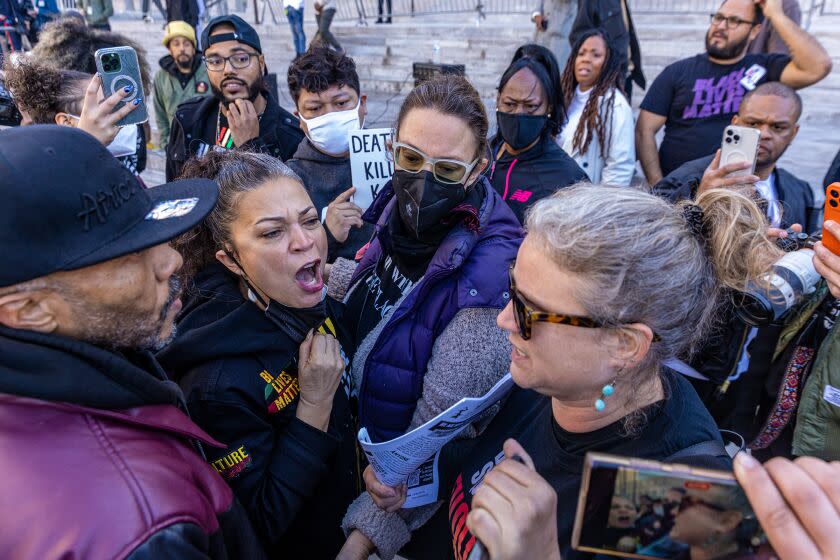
<point x="309" y="277"/>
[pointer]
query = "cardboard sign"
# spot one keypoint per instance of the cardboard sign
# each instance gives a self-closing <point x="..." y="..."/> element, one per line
<point x="370" y="163"/>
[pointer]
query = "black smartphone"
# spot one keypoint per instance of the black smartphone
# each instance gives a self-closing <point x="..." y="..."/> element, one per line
<point x="635" y="508"/>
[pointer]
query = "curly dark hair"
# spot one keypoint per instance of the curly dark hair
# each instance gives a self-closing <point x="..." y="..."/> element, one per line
<point x="70" y="45"/>
<point x="542" y="63"/>
<point x="321" y="68"/>
<point x="236" y="172"/>
<point x="43" y="91"/>
<point x="597" y="113"/>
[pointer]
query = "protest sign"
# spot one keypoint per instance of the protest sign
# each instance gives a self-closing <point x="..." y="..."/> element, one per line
<point x="369" y="163"/>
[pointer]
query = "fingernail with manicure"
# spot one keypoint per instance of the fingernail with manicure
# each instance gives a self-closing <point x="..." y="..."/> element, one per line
<point x="128" y="88"/>
<point x="137" y="102"/>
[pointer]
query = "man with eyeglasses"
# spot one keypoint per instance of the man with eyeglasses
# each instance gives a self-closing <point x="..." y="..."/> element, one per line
<point x="697" y="97"/>
<point x="241" y="113"/>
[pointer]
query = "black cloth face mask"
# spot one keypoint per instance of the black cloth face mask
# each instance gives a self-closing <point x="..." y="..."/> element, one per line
<point x="520" y="131"/>
<point x="294" y="322"/>
<point x="424" y="201"/>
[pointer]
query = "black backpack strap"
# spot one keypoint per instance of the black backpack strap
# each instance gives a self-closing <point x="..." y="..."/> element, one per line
<point x="713" y="447"/>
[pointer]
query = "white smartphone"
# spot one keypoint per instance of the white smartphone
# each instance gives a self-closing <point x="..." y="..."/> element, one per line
<point x="739" y="144"/>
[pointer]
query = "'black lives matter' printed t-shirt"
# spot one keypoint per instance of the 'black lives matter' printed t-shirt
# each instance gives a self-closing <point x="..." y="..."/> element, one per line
<point x="699" y="99"/>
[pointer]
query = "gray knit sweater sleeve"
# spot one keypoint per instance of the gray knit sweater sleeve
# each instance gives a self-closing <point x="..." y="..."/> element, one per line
<point x="341" y="272"/>
<point x="468" y="358"/>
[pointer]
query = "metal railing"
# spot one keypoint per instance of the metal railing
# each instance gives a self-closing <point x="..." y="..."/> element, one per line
<point x="674" y="6"/>
<point x="809" y="8"/>
<point x="830" y="7"/>
<point x="364" y="10"/>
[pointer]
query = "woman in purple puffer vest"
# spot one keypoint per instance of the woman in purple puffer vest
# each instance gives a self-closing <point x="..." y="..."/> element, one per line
<point x="424" y="297"/>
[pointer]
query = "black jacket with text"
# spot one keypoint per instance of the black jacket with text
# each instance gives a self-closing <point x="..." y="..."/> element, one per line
<point x="239" y="371"/>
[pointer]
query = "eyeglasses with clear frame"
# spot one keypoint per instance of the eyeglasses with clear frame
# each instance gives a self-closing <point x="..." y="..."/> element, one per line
<point x="450" y="171"/>
<point x="239" y="61"/>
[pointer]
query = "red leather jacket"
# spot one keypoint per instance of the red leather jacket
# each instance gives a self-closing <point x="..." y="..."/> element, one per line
<point x="85" y="483"/>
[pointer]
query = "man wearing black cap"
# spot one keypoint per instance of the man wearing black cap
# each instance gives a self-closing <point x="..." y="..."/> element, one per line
<point x="99" y="461"/>
<point x="242" y="113"/>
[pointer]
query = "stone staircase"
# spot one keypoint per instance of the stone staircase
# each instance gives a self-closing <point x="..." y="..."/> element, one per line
<point x="384" y="55"/>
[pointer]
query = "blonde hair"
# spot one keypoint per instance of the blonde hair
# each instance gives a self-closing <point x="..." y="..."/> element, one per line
<point x="641" y="262"/>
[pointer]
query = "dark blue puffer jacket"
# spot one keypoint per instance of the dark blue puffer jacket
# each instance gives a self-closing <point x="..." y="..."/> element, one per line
<point x="469" y="270"/>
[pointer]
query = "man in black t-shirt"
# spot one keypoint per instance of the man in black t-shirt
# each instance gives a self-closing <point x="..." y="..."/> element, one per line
<point x="696" y="98"/>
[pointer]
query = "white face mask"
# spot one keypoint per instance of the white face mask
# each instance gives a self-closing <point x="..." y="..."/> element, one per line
<point x="124" y="143"/>
<point x="330" y="133"/>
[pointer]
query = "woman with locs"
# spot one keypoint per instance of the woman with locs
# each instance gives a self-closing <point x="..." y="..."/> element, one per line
<point x="528" y="165"/>
<point x="609" y="285"/>
<point x="260" y="354"/>
<point x="599" y="131"/>
<point x="424" y="297"/>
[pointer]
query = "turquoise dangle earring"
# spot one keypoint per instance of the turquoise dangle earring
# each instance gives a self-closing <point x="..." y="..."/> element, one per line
<point x="606" y="391"/>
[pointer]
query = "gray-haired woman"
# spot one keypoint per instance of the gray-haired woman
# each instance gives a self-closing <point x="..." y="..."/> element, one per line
<point x="609" y="284"/>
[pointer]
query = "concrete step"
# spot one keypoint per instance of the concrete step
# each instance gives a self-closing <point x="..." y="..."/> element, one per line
<point x="384" y="55"/>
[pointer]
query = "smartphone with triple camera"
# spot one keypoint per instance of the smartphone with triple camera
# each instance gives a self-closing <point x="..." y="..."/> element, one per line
<point x="739" y="144"/>
<point x="637" y="508"/>
<point x="119" y="67"/>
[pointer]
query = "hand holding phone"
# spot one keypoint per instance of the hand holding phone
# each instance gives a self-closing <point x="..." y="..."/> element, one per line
<point x="119" y="68"/>
<point x="719" y="176"/>
<point x="832" y="212"/>
<point x="99" y="119"/>
<point x="514" y="511"/>
<point x="797" y="503"/>
<point x="826" y="262"/>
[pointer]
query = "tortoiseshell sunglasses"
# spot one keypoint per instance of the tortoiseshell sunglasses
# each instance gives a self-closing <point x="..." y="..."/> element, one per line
<point x="526" y="316"/>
